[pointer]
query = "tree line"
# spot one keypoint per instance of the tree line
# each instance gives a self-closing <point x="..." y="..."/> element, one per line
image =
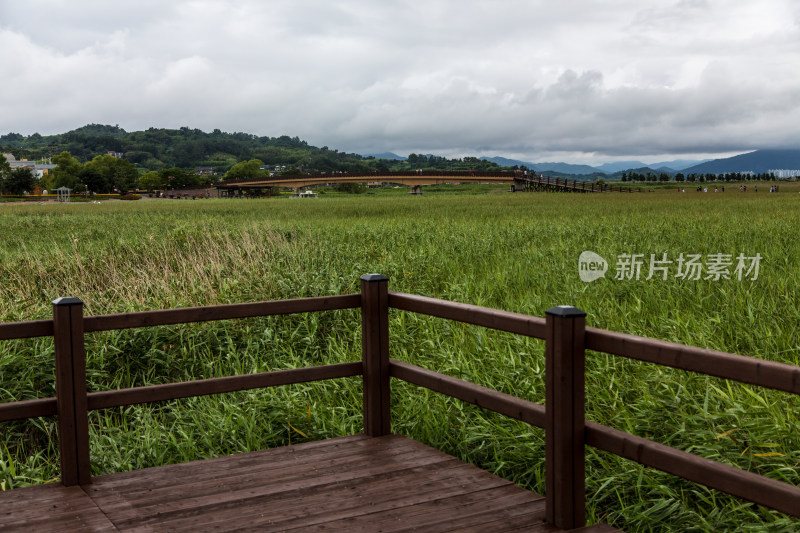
<point x="162" y="149"/>
<point x="634" y="176"/>
<point x="159" y="149"/>
<point x="16" y="180"/>
<point x="103" y="174"/>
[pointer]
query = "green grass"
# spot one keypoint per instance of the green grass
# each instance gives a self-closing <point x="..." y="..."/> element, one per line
<point x="515" y="252"/>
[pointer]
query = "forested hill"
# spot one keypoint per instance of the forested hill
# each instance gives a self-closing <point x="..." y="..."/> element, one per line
<point x="157" y="149"/>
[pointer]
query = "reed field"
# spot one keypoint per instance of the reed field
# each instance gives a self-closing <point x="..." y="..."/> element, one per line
<point x="517" y="252"/>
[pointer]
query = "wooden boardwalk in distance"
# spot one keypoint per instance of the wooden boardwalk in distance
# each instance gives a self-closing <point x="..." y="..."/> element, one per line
<point x="355" y="483"/>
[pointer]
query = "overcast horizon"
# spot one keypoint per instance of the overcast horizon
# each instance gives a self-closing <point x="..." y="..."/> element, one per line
<point x="531" y="80"/>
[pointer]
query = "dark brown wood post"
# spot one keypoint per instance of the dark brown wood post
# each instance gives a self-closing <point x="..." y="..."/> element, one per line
<point x="375" y="354"/>
<point x="73" y="421"/>
<point x="564" y="430"/>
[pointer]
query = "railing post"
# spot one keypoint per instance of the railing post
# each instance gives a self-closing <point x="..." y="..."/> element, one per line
<point x="564" y="404"/>
<point x="375" y="354"/>
<point x="73" y="421"/>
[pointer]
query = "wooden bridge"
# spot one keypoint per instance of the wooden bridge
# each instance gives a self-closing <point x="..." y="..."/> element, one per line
<point x="519" y="180"/>
<point x="374" y="481"/>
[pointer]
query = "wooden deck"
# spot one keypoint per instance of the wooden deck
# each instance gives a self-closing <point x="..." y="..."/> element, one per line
<point x="356" y="483"/>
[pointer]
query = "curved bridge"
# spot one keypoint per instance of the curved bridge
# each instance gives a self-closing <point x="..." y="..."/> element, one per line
<point x="401" y="178"/>
<point x="518" y="179"/>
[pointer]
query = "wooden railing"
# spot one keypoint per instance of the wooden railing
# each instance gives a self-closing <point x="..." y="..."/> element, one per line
<point x="566" y="340"/>
<point x="573" y="185"/>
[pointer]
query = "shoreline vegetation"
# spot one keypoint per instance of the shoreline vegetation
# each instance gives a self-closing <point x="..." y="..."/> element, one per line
<point x="517" y="252"/>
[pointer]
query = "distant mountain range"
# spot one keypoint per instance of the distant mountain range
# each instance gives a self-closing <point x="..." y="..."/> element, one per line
<point x="759" y="161"/>
<point x="559" y="168"/>
<point x="676" y="165"/>
<point x="669" y="167"/>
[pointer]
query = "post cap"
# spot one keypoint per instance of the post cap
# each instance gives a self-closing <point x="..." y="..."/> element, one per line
<point x="566" y="311"/>
<point x="66" y="300"/>
<point x="374" y="277"/>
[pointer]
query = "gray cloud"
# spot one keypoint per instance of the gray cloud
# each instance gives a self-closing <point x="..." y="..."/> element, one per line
<point x="521" y="78"/>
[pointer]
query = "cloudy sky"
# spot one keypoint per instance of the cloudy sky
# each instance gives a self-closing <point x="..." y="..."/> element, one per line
<point x="570" y="80"/>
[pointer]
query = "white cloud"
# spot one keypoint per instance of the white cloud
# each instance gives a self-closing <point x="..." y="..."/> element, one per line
<point x="522" y="77"/>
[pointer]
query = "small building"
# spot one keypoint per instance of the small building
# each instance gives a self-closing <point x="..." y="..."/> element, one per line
<point x="39" y="169"/>
<point x="305" y="194"/>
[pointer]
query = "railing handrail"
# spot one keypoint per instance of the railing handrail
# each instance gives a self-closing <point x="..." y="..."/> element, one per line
<point x="26" y="330"/>
<point x="527" y="325"/>
<point x="184" y="315"/>
<point x="378" y="174"/>
<point x="563" y="339"/>
<point x="732" y="480"/>
<point x="735" y="367"/>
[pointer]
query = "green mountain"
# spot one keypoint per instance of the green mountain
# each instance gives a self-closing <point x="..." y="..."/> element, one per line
<point x="158" y="149"/>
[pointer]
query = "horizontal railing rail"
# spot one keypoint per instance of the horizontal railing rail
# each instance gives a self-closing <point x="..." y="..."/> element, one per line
<point x="370" y="176"/>
<point x="206" y="387"/>
<point x="769" y="374"/>
<point x="725" y="478"/>
<point x="26" y="330"/>
<point x="499" y="402"/>
<point x="23" y="409"/>
<point x="189" y="315"/>
<point x="566" y="341"/>
<point x="470" y="314"/>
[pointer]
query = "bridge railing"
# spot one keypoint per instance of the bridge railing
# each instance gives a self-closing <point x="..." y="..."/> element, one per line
<point x="564" y="184"/>
<point x="372" y="175"/>
<point x="566" y="340"/>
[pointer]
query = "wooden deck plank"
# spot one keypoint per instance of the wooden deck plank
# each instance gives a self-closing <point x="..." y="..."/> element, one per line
<point x="51" y="508"/>
<point x="285" y="468"/>
<point x="357" y="483"/>
<point x="253" y="465"/>
<point x="166" y="474"/>
<point x="445" y="511"/>
<point x="291" y="508"/>
<point x="476" y="509"/>
<point x="325" y="503"/>
<point x="287" y="479"/>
